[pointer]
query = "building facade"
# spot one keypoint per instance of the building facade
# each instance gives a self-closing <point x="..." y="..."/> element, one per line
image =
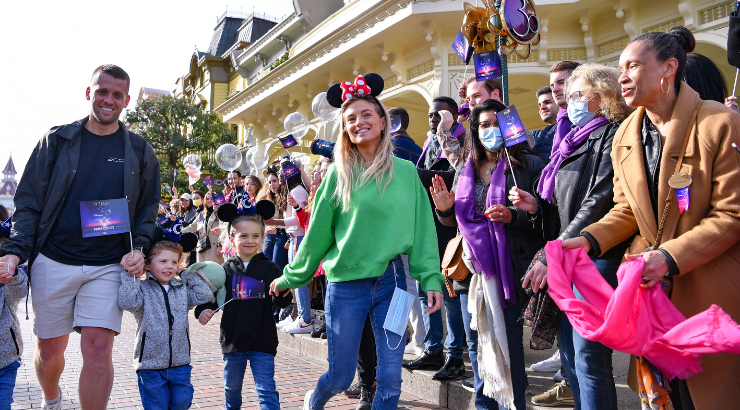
<point x="8" y="185"/>
<point x="408" y="43"/>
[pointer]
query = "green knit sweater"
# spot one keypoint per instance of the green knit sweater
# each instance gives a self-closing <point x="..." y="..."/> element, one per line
<point x="359" y="243"/>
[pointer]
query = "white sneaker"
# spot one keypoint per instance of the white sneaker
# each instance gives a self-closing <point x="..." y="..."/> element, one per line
<point x="413" y="349"/>
<point x="284" y="323"/>
<point x="299" y="326"/>
<point x="306" y="399"/>
<point x="548" y="365"/>
<point x="558" y="376"/>
<point x="55" y="406"/>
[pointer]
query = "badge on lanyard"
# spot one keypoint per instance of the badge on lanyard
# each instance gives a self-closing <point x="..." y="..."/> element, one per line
<point x="680" y="182"/>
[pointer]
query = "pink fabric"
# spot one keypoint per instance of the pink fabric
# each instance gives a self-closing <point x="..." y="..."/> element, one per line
<point x="633" y="320"/>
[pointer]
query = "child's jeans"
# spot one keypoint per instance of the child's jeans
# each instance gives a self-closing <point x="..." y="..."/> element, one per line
<point x="263" y="371"/>
<point x="166" y="389"/>
<point x="7" y="384"/>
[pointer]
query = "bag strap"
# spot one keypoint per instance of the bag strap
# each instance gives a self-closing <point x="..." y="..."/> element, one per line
<point x="669" y="200"/>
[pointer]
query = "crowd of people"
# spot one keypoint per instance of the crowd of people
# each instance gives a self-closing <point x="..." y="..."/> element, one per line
<point x="343" y="248"/>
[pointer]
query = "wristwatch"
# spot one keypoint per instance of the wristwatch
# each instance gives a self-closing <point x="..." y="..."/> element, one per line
<point x="139" y="248"/>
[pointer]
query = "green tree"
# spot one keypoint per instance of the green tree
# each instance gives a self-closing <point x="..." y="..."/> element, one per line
<point x="176" y="128"/>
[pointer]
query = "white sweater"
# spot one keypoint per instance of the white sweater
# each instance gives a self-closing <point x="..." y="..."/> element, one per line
<point x="291" y="220"/>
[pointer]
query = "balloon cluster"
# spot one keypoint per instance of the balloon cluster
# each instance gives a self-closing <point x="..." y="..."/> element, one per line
<point x="515" y="19"/>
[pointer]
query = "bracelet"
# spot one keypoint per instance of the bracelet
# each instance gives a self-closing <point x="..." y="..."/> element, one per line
<point x="446" y="213"/>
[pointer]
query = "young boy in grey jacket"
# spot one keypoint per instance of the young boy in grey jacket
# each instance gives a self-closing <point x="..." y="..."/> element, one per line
<point x="160" y="304"/>
<point x="13" y="288"/>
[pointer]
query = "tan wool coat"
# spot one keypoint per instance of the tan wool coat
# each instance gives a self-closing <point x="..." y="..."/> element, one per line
<point x="704" y="239"/>
<point x="202" y="229"/>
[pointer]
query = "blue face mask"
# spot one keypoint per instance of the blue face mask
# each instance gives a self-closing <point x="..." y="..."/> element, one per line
<point x="491" y="138"/>
<point x="578" y="113"/>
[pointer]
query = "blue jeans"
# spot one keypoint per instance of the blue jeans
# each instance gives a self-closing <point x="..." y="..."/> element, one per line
<point x="589" y="364"/>
<point x="348" y="303"/>
<point x="166" y="389"/>
<point x="274" y="249"/>
<point x="263" y="371"/>
<point x="482" y="402"/>
<point x="433" y="325"/>
<point x="7" y="384"/>
<point x="302" y="294"/>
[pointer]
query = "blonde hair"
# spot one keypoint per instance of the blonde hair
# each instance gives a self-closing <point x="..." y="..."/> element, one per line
<point x="350" y="172"/>
<point x="604" y="81"/>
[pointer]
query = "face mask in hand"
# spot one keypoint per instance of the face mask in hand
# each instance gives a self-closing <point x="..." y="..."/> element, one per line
<point x="197" y="202"/>
<point x="491" y="138"/>
<point x="579" y="114"/>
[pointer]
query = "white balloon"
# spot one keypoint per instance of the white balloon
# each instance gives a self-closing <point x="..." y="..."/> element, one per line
<point x="228" y="157"/>
<point x="194" y="160"/>
<point x="322" y="110"/>
<point x="297" y="125"/>
<point x="261" y="158"/>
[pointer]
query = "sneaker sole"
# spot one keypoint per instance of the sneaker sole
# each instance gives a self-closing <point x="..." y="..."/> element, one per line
<point x="570" y="403"/>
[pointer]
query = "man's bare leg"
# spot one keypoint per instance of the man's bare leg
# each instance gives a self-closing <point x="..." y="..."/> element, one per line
<point x="96" y="378"/>
<point x="49" y="363"/>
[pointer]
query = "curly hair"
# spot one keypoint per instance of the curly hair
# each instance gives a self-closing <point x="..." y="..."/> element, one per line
<point x="280" y="199"/>
<point x="603" y="81"/>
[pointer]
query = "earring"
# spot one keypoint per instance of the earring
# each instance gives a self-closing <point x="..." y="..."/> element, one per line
<point x="661" y="86"/>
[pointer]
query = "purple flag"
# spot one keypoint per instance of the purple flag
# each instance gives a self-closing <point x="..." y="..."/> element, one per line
<point x="104" y="217"/>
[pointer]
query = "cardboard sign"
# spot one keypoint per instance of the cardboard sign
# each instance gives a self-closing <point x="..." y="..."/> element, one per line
<point x="244" y="287"/>
<point x="487" y="65"/>
<point x="511" y="126"/>
<point x="288" y="141"/>
<point x="104" y="217"/>
<point x="461" y="47"/>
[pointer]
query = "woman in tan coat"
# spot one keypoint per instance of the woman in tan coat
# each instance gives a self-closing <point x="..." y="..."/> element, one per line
<point x="699" y="247"/>
<point x="207" y="224"/>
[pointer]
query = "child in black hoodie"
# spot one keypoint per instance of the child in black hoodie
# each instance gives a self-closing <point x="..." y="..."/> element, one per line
<point x="248" y="331"/>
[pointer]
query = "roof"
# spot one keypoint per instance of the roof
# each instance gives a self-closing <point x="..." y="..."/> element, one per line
<point x="224" y="35"/>
<point x="10" y="168"/>
<point x="254" y="28"/>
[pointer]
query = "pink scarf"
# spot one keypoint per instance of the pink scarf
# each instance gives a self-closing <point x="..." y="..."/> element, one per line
<point x="633" y="320"/>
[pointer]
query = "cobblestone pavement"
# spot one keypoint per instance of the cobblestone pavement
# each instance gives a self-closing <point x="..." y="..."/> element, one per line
<point x="294" y="374"/>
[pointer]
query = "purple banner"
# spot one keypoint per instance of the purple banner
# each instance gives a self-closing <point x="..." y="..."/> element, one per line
<point x="288" y="141"/>
<point x="511" y="126"/>
<point x="244" y="287"/>
<point x="487" y="65"/>
<point x="105" y="217"/>
<point x="462" y="48"/>
<point x="218" y="198"/>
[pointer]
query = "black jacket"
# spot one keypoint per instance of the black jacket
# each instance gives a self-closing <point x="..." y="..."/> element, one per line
<point x="522" y="234"/>
<point x="249" y="325"/>
<point x="49" y="174"/>
<point x="584" y="189"/>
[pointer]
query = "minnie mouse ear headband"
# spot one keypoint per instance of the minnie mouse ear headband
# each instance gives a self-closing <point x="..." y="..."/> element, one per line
<point x="5" y="227"/>
<point x="229" y="212"/>
<point x="173" y="232"/>
<point x="370" y="83"/>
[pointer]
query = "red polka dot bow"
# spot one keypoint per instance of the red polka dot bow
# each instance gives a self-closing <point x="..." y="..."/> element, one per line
<point x="359" y="87"/>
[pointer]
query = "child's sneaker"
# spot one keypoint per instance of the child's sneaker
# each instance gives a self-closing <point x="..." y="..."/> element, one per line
<point x="306" y="399"/>
<point x="299" y="326"/>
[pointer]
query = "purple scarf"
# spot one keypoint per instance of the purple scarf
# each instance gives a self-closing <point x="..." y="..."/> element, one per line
<point x="565" y="142"/>
<point x="486" y="240"/>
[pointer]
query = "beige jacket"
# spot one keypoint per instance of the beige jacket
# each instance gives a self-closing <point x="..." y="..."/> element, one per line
<point x="704" y="239"/>
<point x="200" y="228"/>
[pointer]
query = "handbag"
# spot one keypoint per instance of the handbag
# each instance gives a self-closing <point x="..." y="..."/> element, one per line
<point x="453" y="267"/>
<point x="204" y="244"/>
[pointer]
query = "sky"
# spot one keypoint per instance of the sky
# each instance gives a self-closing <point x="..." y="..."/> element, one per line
<point x="51" y="48"/>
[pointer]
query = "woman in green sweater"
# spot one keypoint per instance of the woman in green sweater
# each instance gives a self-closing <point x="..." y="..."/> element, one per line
<point x="370" y="208"/>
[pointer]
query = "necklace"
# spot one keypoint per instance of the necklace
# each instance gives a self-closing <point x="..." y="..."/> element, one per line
<point x="489" y="171"/>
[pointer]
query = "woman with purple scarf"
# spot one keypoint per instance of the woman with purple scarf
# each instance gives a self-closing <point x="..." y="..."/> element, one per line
<point x="499" y="242"/>
<point x="577" y="185"/>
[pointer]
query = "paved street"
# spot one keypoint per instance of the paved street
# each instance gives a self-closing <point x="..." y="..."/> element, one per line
<point x="295" y="373"/>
